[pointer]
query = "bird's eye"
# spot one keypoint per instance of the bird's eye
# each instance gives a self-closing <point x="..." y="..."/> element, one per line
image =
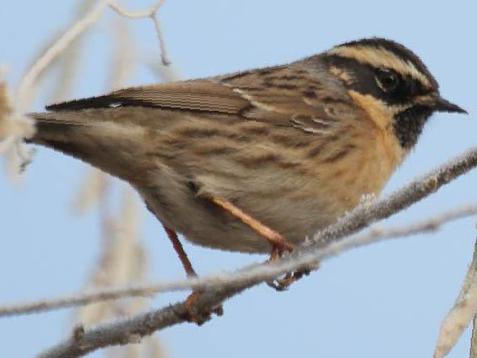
<point x="387" y="80"/>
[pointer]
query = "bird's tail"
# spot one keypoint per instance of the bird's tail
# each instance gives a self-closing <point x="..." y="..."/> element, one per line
<point x="58" y="131"/>
<point x="91" y="136"/>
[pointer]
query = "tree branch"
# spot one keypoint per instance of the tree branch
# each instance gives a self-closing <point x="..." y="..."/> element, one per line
<point x="459" y="317"/>
<point x="24" y="95"/>
<point x="375" y="234"/>
<point x="152" y="14"/>
<point x="54" y="51"/>
<point x="132" y="330"/>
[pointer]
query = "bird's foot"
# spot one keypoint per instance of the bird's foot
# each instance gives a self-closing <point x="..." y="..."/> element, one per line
<point x="283" y="283"/>
<point x="289" y="278"/>
<point x="197" y="315"/>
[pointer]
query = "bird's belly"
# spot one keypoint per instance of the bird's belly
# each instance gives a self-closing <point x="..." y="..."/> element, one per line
<point x="205" y="224"/>
<point x="297" y="216"/>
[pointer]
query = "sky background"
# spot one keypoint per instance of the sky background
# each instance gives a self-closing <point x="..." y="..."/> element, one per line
<point x="382" y="301"/>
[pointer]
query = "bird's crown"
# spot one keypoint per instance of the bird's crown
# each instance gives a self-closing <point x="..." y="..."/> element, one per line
<point x="379" y="53"/>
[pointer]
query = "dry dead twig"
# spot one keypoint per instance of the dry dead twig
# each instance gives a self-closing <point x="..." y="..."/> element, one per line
<point x="459" y="317"/>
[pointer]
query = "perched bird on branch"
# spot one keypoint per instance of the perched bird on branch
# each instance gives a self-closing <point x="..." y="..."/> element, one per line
<point x="257" y="161"/>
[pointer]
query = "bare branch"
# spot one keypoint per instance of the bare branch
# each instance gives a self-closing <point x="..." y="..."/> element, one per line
<point x="152" y="14"/>
<point x="262" y="272"/>
<point x="459" y="317"/>
<point x="13" y="127"/>
<point x="90" y="18"/>
<point x="424" y="226"/>
<point x="473" y="339"/>
<point x="135" y="14"/>
<point x="54" y="51"/>
<point x="69" y="63"/>
<point x="19" y="156"/>
<point x="125" y="331"/>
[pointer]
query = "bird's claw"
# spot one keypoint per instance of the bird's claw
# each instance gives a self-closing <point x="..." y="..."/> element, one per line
<point x="282" y="284"/>
<point x="199" y="316"/>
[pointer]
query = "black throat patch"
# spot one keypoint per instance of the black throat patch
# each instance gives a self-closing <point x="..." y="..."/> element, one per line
<point x="409" y="123"/>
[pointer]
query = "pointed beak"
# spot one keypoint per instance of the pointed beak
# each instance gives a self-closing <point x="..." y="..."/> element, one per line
<point x="443" y="105"/>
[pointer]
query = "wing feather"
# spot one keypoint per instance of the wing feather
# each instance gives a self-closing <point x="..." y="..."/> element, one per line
<point x="277" y="94"/>
<point x="198" y="95"/>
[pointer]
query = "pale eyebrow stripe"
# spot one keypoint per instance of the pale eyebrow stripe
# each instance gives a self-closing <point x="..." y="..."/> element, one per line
<point x="380" y="58"/>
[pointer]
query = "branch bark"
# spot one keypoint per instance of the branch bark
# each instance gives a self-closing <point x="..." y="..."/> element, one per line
<point x="105" y="294"/>
<point x="132" y="330"/>
<point x="459" y="317"/>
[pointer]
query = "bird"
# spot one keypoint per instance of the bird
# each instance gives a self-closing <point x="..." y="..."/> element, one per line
<point x="257" y="161"/>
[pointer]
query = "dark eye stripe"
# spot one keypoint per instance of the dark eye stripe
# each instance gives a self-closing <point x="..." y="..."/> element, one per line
<point x="365" y="81"/>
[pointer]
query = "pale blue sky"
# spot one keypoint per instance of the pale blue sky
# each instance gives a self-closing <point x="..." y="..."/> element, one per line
<point x="381" y="301"/>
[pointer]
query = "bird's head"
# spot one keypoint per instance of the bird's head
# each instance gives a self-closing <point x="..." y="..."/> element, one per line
<point x="391" y="83"/>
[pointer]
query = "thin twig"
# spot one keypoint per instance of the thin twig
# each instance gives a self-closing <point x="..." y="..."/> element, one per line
<point x="24" y="95"/>
<point x="70" y="62"/>
<point x="55" y="50"/>
<point x="162" y="43"/>
<point x="89" y="19"/>
<point x="152" y="14"/>
<point x="463" y="312"/>
<point x="132" y="330"/>
<point x="473" y="339"/>
<point x="17" y="155"/>
<point x="13" y="127"/>
<point x="263" y="272"/>
<point x="425" y="226"/>
<point x="135" y="14"/>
